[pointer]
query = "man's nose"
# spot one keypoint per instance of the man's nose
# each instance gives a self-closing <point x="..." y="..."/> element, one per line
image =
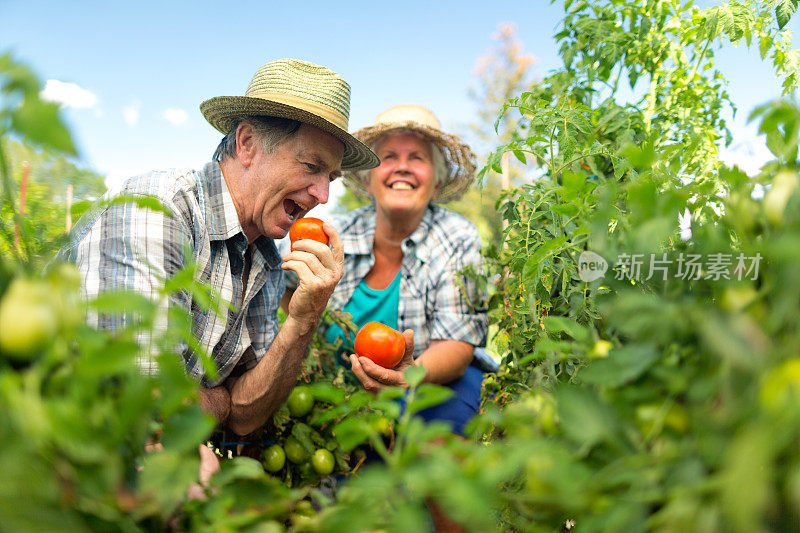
<point x="320" y="190"/>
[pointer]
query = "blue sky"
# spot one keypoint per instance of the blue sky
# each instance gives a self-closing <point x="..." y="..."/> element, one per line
<point x="144" y="67"/>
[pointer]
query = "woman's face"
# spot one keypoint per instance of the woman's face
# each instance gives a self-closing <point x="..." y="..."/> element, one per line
<point x="405" y="181"/>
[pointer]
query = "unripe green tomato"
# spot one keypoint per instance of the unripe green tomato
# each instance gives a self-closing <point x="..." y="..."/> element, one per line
<point x="778" y="195"/>
<point x="300" y="402"/>
<point x="274" y="458"/>
<point x="295" y="451"/>
<point x="301" y="522"/>
<point x="67" y="275"/>
<point x="383" y="426"/>
<point x="738" y="297"/>
<point x="600" y="349"/>
<point x="270" y="526"/>
<point x="28" y="322"/>
<point x="323" y="462"/>
<point x="537" y="470"/>
<point x="304" y="508"/>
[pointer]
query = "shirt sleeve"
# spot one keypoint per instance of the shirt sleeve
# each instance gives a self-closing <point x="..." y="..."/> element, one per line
<point x="460" y="311"/>
<point x="130" y="248"/>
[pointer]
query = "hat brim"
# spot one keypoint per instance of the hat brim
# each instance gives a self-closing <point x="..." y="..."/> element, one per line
<point x="459" y="156"/>
<point x="222" y="112"/>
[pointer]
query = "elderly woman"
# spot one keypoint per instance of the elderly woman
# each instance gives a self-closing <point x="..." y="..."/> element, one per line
<point x="404" y="254"/>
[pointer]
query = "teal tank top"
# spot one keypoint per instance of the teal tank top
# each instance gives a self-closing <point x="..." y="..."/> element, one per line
<point x="368" y="305"/>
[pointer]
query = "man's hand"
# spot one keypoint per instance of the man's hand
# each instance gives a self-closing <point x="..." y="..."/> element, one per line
<point x="209" y="465"/>
<point x="375" y="377"/>
<point x="318" y="268"/>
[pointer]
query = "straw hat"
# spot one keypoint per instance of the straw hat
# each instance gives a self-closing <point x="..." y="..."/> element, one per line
<point x="299" y="90"/>
<point x="459" y="157"/>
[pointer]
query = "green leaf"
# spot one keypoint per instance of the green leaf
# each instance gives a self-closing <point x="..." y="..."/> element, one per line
<point x="428" y="395"/>
<point x="165" y="478"/>
<point x="414" y="375"/>
<point x="327" y="392"/>
<point x="559" y="324"/>
<point x="784" y="11"/>
<point x="622" y="365"/>
<point x="351" y="432"/>
<point x="236" y="469"/>
<point x="186" y="428"/>
<point x="141" y="200"/>
<point x="582" y="415"/>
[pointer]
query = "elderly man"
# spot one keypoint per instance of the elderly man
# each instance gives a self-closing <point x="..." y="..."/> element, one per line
<point x="285" y="141"/>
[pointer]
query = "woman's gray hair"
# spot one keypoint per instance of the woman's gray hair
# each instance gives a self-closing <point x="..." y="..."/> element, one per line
<point x="271" y="130"/>
<point x="440" y="168"/>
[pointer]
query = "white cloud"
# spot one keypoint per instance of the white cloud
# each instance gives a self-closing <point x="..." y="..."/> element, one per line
<point x="68" y="94"/>
<point x="130" y="113"/>
<point x="175" y="116"/>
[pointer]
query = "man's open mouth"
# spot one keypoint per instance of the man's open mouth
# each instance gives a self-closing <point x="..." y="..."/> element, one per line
<point x="294" y="210"/>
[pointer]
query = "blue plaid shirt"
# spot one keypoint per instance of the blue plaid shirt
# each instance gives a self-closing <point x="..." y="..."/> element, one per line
<point x="124" y="246"/>
<point x="436" y="301"/>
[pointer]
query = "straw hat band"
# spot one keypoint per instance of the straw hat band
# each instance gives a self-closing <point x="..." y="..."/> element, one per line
<point x="334" y="116"/>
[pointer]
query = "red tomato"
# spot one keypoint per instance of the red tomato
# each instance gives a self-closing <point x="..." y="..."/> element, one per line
<point x="308" y="228"/>
<point x="381" y="344"/>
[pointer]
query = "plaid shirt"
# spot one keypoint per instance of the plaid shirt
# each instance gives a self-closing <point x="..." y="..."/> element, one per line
<point x="123" y="246"/>
<point x="431" y="302"/>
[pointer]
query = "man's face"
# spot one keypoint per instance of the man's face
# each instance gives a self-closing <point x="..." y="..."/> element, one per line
<point x="284" y="185"/>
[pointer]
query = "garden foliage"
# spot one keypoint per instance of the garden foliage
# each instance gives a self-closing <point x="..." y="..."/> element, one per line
<point x="663" y="399"/>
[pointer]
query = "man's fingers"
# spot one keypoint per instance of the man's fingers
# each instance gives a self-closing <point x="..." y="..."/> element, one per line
<point x="313" y="262"/>
<point x="336" y="245"/>
<point x="321" y="251"/>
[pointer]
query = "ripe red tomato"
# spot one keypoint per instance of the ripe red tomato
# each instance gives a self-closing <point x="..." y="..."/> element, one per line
<point x="381" y="344"/>
<point x="308" y="228"/>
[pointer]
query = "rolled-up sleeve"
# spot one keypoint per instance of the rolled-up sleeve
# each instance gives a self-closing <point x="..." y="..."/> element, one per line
<point x="460" y="311"/>
<point x="129" y="248"/>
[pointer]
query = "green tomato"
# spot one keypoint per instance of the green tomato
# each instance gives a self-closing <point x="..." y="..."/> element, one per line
<point x="295" y="451"/>
<point x="304" y="508"/>
<point x="270" y="526"/>
<point x="776" y="198"/>
<point x="300" y="402"/>
<point x="323" y="462"/>
<point x="28" y="323"/>
<point x="274" y="458"/>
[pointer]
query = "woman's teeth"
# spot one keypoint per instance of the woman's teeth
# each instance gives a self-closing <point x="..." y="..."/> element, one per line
<point x="401" y="185"/>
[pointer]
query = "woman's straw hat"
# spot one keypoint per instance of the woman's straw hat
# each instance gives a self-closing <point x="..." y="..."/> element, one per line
<point x="459" y="157"/>
<point x="299" y="90"/>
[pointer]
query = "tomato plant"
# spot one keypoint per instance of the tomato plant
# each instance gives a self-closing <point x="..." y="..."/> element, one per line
<point x="308" y="228"/>
<point x="661" y="403"/>
<point x="380" y="344"/>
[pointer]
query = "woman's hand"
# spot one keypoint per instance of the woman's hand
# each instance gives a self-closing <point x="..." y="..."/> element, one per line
<point x="374" y="377"/>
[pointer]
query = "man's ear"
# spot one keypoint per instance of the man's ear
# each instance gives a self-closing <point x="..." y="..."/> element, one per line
<point x="246" y="143"/>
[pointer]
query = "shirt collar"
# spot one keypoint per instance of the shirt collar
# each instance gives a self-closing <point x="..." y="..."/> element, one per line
<point x="360" y="241"/>
<point x="222" y="219"/>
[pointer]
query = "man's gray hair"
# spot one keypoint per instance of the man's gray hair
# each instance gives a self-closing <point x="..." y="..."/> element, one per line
<point x="440" y="168"/>
<point x="271" y="130"/>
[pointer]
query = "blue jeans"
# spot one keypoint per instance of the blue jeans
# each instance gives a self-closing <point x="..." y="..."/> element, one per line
<point x="462" y="406"/>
